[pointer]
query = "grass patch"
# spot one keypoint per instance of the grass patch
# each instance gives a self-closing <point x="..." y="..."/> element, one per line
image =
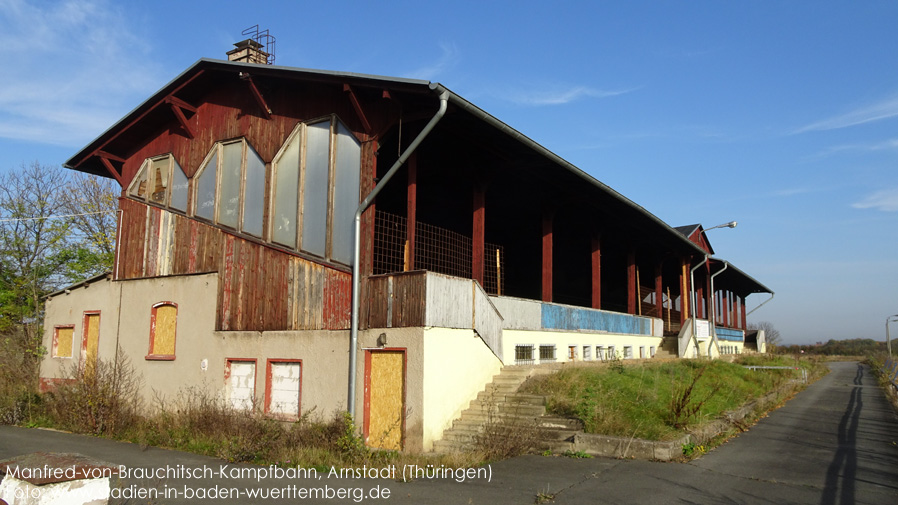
<point x="658" y="401"/>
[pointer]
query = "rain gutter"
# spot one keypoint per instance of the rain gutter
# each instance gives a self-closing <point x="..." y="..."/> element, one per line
<point x="357" y="230"/>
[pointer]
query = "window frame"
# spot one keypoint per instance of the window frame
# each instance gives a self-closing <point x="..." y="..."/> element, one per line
<point x="227" y="378"/>
<point x="300" y="134"/>
<point x="146" y="167"/>
<point x="152" y="355"/>
<point x="217" y="151"/>
<point x="55" y="344"/>
<point x="267" y="401"/>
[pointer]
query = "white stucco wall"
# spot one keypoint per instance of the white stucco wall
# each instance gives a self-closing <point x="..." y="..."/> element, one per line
<point x="562" y="340"/>
<point x="457" y="366"/>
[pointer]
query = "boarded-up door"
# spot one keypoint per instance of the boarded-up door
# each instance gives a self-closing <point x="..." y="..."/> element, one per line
<point x="284" y="379"/>
<point x="91" y="339"/>
<point x="240" y="378"/>
<point x="385" y="392"/>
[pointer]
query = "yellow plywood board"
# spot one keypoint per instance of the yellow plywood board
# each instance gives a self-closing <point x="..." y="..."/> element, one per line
<point x="164" y="331"/>
<point x="91" y="336"/>
<point x="64" y="338"/>
<point x="386" y="400"/>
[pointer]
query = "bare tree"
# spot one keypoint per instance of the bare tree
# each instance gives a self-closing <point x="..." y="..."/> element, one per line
<point x="91" y="202"/>
<point x="771" y="335"/>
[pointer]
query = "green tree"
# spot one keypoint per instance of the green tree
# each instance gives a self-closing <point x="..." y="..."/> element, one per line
<point x="44" y="247"/>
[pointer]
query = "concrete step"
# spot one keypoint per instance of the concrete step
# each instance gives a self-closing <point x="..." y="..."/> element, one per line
<point x="449" y="446"/>
<point x="522" y="409"/>
<point x="561" y="423"/>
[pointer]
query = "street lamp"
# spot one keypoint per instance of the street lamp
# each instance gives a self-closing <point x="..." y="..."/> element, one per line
<point x="731" y="224"/>
<point x="888" y="338"/>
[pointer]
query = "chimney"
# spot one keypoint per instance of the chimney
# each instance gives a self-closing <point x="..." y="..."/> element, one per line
<point x="248" y="51"/>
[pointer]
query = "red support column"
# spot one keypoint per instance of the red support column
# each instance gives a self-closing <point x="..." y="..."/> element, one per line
<point x="547" y="257"/>
<point x="659" y="291"/>
<point x="412" y="212"/>
<point x="726" y="309"/>
<point x="632" y="295"/>
<point x="744" y="316"/>
<point x="699" y="299"/>
<point x="597" y="271"/>
<point x="709" y="297"/>
<point x="479" y="227"/>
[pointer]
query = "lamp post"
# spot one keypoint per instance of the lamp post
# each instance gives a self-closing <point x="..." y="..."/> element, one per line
<point x="731" y="224"/>
<point x="891" y="319"/>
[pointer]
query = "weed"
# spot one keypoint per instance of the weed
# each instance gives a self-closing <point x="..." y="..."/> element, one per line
<point x="544" y="496"/>
<point x="576" y="454"/>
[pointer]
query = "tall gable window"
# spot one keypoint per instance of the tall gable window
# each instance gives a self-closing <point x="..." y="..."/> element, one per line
<point x="316" y="190"/>
<point x="161" y="181"/>
<point x="230" y="187"/>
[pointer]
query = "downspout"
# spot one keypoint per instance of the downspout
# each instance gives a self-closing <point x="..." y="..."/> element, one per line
<point x="772" y="294"/>
<point x="357" y="230"/>
<point x="693" y="298"/>
<point x="714" y="312"/>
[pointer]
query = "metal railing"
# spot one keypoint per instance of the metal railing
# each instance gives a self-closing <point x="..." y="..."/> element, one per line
<point x="804" y="372"/>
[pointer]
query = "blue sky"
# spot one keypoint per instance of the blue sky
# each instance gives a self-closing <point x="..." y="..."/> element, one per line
<point x="780" y="115"/>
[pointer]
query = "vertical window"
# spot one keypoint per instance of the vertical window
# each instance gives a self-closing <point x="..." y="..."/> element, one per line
<point x="652" y="351"/>
<point x="283" y="388"/>
<point x="600" y="353"/>
<point x="240" y="383"/>
<point x="628" y="352"/>
<point x="163" y="331"/>
<point x="63" y="336"/>
<point x="161" y="181"/>
<point x="90" y="339"/>
<point x="572" y="353"/>
<point x="230" y="187"/>
<point x="315" y="190"/>
<point x="587" y="352"/>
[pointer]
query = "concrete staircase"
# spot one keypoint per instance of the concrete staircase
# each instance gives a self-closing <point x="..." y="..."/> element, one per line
<point x="668" y="349"/>
<point x="499" y="408"/>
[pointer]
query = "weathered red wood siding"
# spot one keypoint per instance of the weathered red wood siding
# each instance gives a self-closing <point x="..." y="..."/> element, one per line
<point x="396" y="301"/>
<point x="260" y="288"/>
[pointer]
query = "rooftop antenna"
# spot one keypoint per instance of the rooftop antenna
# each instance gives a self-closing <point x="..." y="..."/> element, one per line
<point x="264" y="38"/>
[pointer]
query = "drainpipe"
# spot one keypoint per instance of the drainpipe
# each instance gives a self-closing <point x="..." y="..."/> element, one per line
<point x="357" y="230"/>
<point x="693" y="297"/>
<point x="726" y="264"/>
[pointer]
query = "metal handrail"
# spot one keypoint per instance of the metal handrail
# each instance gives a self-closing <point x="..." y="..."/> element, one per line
<point x="804" y="372"/>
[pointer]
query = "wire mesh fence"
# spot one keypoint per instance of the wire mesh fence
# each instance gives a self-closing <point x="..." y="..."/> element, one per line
<point x="436" y="249"/>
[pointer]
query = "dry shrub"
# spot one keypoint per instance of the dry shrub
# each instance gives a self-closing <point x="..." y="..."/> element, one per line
<point x="507" y="436"/>
<point x="18" y="381"/>
<point x="101" y="400"/>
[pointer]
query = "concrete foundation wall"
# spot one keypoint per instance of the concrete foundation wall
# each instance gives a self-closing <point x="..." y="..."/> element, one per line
<point x="562" y="341"/>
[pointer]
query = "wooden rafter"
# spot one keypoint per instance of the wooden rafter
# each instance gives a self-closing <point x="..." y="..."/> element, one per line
<point x="178" y="107"/>
<point x="266" y="111"/>
<point x="358" y="108"/>
<point x="107" y="160"/>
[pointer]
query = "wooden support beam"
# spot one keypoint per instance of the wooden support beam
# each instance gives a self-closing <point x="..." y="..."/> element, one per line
<point x="744" y="320"/>
<point x="632" y="294"/>
<point x="354" y="100"/>
<point x="684" y="290"/>
<point x="411" y="211"/>
<point x="112" y="171"/>
<point x="547" y="256"/>
<point x="659" y="290"/>
<point x="257" y="95"/>
<point x="700" y="298"/>
<point x="479" y="232"/>
<point x="179" y="115"/>
<point x="597" y="271"/>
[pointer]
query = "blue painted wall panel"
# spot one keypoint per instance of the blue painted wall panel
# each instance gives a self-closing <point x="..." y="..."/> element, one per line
<point x="730" y="334"/>
<point x="559" y="317"/>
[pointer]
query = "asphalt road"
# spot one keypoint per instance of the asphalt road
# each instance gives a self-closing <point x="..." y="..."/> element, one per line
<point x="834" y="443"/>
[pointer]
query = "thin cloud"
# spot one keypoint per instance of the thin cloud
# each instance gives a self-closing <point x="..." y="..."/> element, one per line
<point x="72" y="68"/>
<point x="885" y="200"/>
<point x="562" y="96"/>
<point x="883" y="110"/>
<point x="865" y="147"/>
<point x="449" y="58"/>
